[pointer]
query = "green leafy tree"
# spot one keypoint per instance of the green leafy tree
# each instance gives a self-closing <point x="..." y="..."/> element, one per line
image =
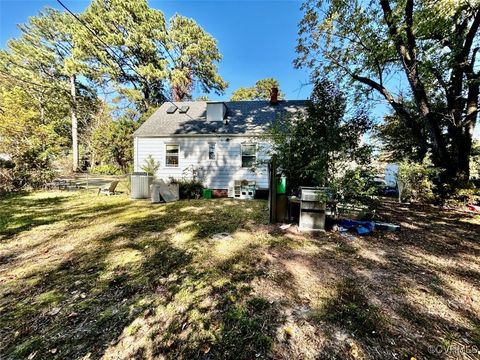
<point x="475" y="159"/>
<point x="244" y="93"/>
<point x="432" y="45"/>
<point x="193" y="54"/>
<point x="114" y="142"/>
<point x="41" y="61"/>
<point x="261" y="91"/>
<point x="29" y="141"/>
<point x="314" y="148"/>
<point x="144" y="55"/>
<point x="415" y="181"/>
<point x="397" y="143"/>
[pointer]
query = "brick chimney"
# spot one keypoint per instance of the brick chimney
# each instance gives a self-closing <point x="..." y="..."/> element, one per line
<point x="274" y="96"/>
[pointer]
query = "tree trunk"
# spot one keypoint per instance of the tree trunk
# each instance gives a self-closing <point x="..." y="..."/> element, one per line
<point x="73" y="110"/>
<point x="461" y="149"/>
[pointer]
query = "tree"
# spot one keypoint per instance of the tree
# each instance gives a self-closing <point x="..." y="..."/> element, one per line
<point x="193" y="54"/>
<point x="29" y="141"/>
<point x="397" y="143"/>
<point x="432" y="45"/>
<point x="314" y="148"/>
<point x="261" y="91"/>
<point x="143" y="56"/>
<point x="113" y="140"/>
<point x="41" y="61"/>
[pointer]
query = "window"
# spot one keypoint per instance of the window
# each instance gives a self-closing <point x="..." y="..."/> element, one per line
<point x="249" y="155"/>
<point x="211" y="151"/>
<point x="171" y="155"/>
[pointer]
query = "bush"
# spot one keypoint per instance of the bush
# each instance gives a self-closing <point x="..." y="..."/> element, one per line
<point x="354" y="186"/>
<point x="106" y="170"/>
<point x="15" y="178"/>
<point x="150" y="165"/>
<point x="189" y="189"/>
<point x="415" y="181"/>
<point x="464" y="196"/>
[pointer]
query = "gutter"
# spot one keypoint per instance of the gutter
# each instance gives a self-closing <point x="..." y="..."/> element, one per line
<point x="199" y="135"/>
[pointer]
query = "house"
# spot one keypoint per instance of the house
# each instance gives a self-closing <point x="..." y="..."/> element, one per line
<point x="216" y="142"/>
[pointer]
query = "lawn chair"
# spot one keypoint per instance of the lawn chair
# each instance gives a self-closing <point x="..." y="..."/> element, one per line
<point x="108" y="189"/>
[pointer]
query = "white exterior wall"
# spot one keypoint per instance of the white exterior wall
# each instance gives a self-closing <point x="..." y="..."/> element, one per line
<point x="193" y="155"/>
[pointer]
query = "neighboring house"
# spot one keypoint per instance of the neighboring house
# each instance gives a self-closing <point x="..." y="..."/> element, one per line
<point x="216" y="142"/>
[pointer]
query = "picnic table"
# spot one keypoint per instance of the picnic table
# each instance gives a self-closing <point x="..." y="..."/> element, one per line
<point x="60" y="184"/>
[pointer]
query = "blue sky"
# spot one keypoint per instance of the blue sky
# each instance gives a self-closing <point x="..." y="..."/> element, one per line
<point x="256" y="38"/>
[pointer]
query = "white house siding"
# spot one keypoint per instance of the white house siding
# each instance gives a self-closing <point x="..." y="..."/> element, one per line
<point x="193" y="156"/>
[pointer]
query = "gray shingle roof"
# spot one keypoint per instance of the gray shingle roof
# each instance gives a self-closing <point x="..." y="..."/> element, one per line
<point x="244" y="117"/>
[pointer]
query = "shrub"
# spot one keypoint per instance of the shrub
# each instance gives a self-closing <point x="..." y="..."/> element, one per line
<point x="189" y="189"/>
<point x="355" y="185"/>
<point x="150" y="165"/>
<point x="14" y="177"/>
<point x="106" y="170"/>
<point x="464" y="196"/>
<point x="415" y="181"/>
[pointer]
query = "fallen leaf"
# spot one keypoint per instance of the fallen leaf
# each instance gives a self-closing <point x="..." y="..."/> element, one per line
<point x="53" y="351"/>
<point x="32" y="355"/>
<point x="205" y="349"/>
<point x="54" y="311"/>
<point x="288" y="331"/>
<point x="354" y="350"/>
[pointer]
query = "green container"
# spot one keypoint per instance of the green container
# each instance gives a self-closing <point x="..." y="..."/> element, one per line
<point x="207" y="193"/>
<point x="281" y="185"/>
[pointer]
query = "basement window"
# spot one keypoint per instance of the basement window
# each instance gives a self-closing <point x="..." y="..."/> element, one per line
<point x="171" y="155"/>
<point x="211" y="151"/>
<point x="249" y="155"/>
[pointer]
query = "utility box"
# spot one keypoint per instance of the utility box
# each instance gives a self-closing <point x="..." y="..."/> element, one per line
<point x="140" y="185"/>
<point x="312" y="209"/>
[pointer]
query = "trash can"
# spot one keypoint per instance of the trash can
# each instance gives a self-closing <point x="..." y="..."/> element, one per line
<point x="281" y="185"/>
<point x="207" y="193"/>
<point x="155" y="193"/>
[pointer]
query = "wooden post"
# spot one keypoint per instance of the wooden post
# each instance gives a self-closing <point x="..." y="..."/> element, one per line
<point x="73" y="110"/>
<point x="272" y="190"/>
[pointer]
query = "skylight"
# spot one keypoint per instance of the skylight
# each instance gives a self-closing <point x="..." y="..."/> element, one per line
<point x="171" y="109"/>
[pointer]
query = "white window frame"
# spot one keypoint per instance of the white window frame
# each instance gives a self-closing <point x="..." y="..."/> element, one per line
<point x="214" y="150"/>
<point x="254" y="156"/>
<point x="178" y="156"/>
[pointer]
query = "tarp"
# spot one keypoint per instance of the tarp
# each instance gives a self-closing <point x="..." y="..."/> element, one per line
<point x="362" y="227"/>
<point x="366" y="227"/>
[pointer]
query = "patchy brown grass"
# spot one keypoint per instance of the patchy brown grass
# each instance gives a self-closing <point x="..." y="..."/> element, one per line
<point x="87" y="277"/>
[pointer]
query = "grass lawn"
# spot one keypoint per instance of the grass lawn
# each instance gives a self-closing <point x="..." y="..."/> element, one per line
<point x="87" y="277"/>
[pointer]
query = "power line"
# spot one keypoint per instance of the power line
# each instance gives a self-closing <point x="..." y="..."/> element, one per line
<point x="30" y="82"/>
<point x="99" y="39"/>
